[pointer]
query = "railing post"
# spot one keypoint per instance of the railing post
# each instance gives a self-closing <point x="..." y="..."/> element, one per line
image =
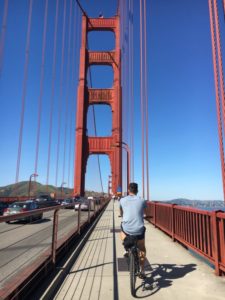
<point x="54" y="234"/>
<point x="215" y="233"/>
<point x="89" y="211"/>
<point x="155" y="214"/>
<point x="78" y="219"/>
<point x="94" y="208"/>
<point x="173" y="222"/>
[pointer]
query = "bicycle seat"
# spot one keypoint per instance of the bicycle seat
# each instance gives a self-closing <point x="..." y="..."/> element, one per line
<point x="130" y="241"/>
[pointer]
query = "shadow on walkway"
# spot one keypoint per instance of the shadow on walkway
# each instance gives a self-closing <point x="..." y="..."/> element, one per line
<point x="161" y="276"/>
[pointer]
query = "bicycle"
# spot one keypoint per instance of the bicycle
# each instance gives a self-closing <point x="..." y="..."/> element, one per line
<point x="130" y="244"/>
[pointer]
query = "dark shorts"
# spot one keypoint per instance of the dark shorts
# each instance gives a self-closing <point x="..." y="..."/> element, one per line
<point x="139" y="237"/>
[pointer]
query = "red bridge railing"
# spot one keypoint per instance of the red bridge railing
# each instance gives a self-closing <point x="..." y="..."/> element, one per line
<point x="199" y="230"/>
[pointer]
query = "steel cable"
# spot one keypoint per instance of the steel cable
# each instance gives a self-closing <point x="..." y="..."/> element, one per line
<point x="60" y="95"/>
<point x="218" y="109"/>
<point x="146" y="100"/>
<point x="3" y="32"/>
<point x="24" y="89"/>
<point x="142" y="101"/>
<point x="67" y="92"/>
<point x="41" y="87"/>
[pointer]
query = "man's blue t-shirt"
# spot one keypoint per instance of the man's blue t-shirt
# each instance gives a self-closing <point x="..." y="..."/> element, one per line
<point x="133" y="211"/>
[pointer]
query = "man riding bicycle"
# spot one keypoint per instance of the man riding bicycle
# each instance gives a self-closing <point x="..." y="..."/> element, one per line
<point x="132" y="209"/>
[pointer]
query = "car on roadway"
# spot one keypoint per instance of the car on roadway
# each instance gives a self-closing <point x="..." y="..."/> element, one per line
<point x="44" y="201"/>
<point x="3" y="205"/>
<point x="69" y="202"/>
<point x="21" y="207"/>
<point x="84" y="204"/>
<point x="95" y="199"/>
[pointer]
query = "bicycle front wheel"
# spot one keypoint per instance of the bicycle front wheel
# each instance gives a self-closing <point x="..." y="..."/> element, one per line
<point x="132" y="273"/>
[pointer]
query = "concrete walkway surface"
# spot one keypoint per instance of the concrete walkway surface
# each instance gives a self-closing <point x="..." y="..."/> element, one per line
<point x="101" y="272"/>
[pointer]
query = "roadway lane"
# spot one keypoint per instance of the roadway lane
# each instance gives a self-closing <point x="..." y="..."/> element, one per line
<point x="21" y="243"/>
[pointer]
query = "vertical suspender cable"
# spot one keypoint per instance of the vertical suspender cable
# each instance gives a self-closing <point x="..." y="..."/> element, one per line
<point x="67" y="91"/>
<point x="41" y="86"/>
<point x="24" y="89"/>
<point x="52" y="91"/>
<point x="132" y="91"/>
<point x="77" y="78"/>
<point x="73" y="82"/>
<point x="122" y="17"/>
<point x="60" y="94"/>
<point x="217" y="94"/>
<point x="125" y="90"/>
<point x="130" y="83"/>
<point x="220" y="61"/>
<point x="146" y="100"/>
<point x="142" y="101"/>
<point x="224" y="7"/>
<point x="77" y="75"/>
<point x="3" y="31"/>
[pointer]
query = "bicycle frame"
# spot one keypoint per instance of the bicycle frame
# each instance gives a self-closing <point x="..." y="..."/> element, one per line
<point x="134" y="266"/>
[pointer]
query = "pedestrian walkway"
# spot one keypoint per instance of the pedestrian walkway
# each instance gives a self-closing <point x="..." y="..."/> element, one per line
<point x="101" y="272"/>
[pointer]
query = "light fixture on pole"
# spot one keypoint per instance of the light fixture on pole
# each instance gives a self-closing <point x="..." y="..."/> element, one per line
<point x="29" y="186"/>
<point x="127" y="149"/>
<point x="63" y="183"/>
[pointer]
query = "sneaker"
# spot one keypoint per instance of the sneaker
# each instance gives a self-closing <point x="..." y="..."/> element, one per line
<point x="125" y="254"/>
<point x="142" y="274"/>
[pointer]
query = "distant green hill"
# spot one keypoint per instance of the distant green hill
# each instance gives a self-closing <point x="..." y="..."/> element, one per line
<point x="37" y="189"/>
<point x="21" y="189"/>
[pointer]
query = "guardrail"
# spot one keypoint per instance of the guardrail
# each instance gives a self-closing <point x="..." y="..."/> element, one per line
<point x="14" y="288"/>
<point x="199" y="230"/>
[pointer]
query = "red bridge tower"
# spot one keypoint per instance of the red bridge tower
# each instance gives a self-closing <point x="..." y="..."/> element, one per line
<point x="86" y="145"/>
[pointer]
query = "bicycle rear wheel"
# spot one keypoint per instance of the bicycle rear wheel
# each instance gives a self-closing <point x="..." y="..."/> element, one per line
<point x="132" y="273"/>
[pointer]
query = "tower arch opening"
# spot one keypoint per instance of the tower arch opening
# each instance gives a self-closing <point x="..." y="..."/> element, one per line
<point x="101" y="40"/>
<point x="92" y="177"/>
<point x="102" y="115"/>
<point x="100" y="76"/>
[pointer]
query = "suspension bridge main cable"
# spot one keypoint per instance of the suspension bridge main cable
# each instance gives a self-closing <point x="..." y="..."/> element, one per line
<point x="24" y="89"/>
<point x="220" y="61"/>
<point x="216" y="81"/>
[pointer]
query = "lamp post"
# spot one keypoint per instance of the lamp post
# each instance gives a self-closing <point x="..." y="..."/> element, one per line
<point x="29" y="186"/>
<point x="62" y="188"/>
<point x="109" y="184"/>
<point x="127" y="149"/>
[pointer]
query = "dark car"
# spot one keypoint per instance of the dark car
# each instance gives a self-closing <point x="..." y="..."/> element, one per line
<point x="69" y="202"/>
<point x="3" y="205"/>
<point x="23" y="206"/>
<point x="46" y="201"/>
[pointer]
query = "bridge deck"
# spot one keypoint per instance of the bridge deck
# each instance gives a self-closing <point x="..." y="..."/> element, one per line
<point x="172" y="271"/>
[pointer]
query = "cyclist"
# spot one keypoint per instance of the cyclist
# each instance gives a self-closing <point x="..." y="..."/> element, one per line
<point x="132" y="210"/>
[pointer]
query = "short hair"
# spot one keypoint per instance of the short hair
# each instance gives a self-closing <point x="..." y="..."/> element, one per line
<point x="133" y="187"/>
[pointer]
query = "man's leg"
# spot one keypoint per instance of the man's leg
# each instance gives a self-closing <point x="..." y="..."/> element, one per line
<point x="142" y="253"/>
<point x="122" y="235"/>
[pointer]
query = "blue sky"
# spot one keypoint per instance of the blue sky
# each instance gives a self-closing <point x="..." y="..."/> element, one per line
<point x="183" y="137"/>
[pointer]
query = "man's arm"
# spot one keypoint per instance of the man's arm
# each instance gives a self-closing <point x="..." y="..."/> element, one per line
<point x="121" y="211"/>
